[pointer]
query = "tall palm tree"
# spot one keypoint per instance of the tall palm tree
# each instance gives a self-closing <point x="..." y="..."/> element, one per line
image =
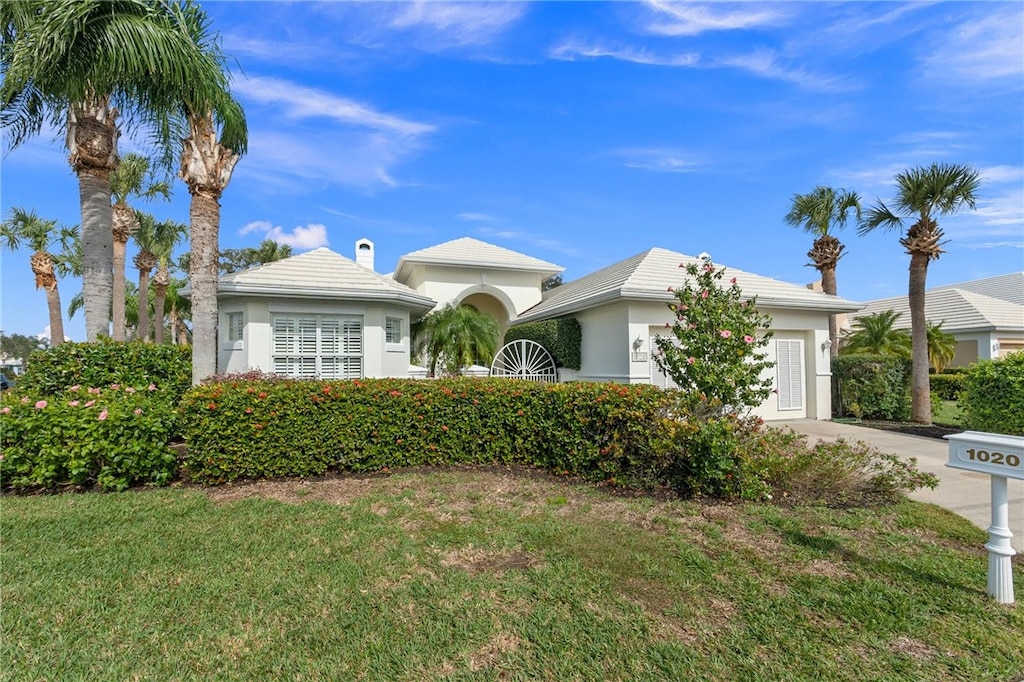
<point x="83" y="65"/>
<point x="923" y="193"/>
<point x="820" y="212"/>
<point x="877" y="334"/>
<point x="456" y="336"/>
<point x="941" y="347"/>
<point x="40" y="236"/>
<point x="156" y="241"/>
<point x="133" y="178"/>
<point x="179" y="309"/>
<point x="217" y="138"/>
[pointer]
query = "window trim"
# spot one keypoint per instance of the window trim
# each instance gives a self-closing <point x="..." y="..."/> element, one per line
<point x="394" y="346"/>
<point x="230" y="343"/>
<point x="286" y="362"/>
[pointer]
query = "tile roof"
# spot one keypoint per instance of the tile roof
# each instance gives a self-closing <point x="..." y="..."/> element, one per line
<point x="958" y="310"/>
<point x="469" y="252"/>
<point x="320" y="273"/>
<point x="647" y="276"/>
<point x="1008" y="287"/>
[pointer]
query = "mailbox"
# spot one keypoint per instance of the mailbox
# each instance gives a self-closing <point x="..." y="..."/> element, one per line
<point x="987" y="453"/>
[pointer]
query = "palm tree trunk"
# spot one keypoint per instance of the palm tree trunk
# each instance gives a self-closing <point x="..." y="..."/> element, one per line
<point x="92" y="140"/>
<point x="204" y="214"/>
<point x="56" y="316"/>
<point x="160" y="284"/>
<point x="828" y="285"/>
<point x="117" y="293"/>
<point x="143" y="305"/>
<point x="921" y="402"/>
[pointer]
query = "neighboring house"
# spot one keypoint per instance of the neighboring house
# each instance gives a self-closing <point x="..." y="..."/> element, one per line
<point x="623" y="307"/>
<point x="321" y="314"/>
<point x="986" y="316"/>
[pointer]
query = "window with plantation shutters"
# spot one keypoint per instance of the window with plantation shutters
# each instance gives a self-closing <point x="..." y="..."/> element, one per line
<point x="325" y="346"/>
<point x="789" y="381"/>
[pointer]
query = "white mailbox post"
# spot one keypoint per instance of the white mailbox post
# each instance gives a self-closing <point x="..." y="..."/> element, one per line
<point x="1002" y="457"/>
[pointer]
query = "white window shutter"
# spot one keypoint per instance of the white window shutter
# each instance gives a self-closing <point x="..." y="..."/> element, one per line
<point x="789" y="365"/>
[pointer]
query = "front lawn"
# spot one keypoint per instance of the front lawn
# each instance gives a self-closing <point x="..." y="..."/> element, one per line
<point x="488" y="574"/>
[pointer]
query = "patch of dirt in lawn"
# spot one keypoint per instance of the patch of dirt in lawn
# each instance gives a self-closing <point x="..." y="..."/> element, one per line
<point x="477" y="560"/>
<point x="494" y="650"/>
<point x="913" y="648"/>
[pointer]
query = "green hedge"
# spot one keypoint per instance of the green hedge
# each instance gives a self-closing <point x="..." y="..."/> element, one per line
<point x="261" y="429"/>
<point x="51" y="371"/>
<point x="993" y="397"/>
<point x="871" y="387"/>
<point x="111" y="437"/>
<point x="562" y="338"/>
<point x="947" y="386"/>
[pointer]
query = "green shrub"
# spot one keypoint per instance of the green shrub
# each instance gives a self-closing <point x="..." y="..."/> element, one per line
<point x="562" y="338"/>
<point x="260" y="429"/>
<point x="709" y="459"/>
<point x="105" y="363"/>
<point x="947" y="386"/>
<point x="113" y="437"/>
<point x="993" y="397"/>
<point x="828" y="472"/>
<point x="871" y="387"/>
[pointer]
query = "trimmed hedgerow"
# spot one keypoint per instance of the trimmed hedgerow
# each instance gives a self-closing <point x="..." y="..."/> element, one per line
<point x="871" y="387"/>
<point x="562" y="338"/>
<point x="993" y="397"/>
<point x="265" y="429"/>
<point x="113" y="437"/>
<point x="947" y="386"/>
<point x="104" y="363"/>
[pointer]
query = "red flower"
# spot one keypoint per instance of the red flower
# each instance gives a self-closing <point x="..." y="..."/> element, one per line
<point x="327" y="389"/>
<point x="394" y="394"/>
<point x="212" y="406"/>
<point x="263" y="394"/>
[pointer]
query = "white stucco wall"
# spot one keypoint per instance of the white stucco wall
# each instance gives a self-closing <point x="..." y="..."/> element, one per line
<point x="604" y="349"/>
<point x="380" y="359"/>
<point x="517" y="291"/>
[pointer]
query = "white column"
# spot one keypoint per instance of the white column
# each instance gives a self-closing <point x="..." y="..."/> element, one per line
<point x="1000" y="577"/>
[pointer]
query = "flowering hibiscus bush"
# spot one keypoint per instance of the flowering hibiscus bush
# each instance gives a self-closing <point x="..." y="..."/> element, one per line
<point x="716" y="357"/>
<point x="113" y="437"/>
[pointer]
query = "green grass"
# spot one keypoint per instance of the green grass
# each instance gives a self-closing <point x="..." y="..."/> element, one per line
<point x="481" y="575"/>
<point x="947" y="413"/>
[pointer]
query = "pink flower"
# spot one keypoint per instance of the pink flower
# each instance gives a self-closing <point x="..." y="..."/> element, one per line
<point x="732" y="281"/>
<point x="6" y="410"/>
<point x="129" y="390"/>
<point x="73" y="403"/>
<point x="704" y="294"/>
<point x="138" y="411"/>
<point x="725" y="333"/>
<point x="75" y="387"/>
<point x="94" y="391"/>
<point x="24" y="400"/>
<point x="690" y="361"/>
<point x="90" y="403"/>
<point x="682" y="265"/>
<point x="114" y="387"/>
<point x="748" y="338"/>
<point x="151" y="387"/>
<point x="102" y="415"/>
<point x="669" y="289"/>
<point x="41" y="404"/>
<point x="709" y="267"/>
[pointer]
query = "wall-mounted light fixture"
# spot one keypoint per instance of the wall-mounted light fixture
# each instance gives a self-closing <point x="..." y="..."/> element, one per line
<point x="637" y="344"/>
<point x="826" y="345"/>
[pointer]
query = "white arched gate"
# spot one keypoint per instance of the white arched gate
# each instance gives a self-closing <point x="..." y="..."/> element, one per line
<point x="524" y="359"/>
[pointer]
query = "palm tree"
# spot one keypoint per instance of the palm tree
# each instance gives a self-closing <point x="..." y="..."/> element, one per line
<point x="39" y="235"/>
<point x="156" y="242"/>
<point x="456" y="336"/>
<point x="80" y="66"/>
<point x="877" y="334"/>
<point x="922" y="193"/>
<point x="217" y="138"/>
<point x="941" y="347"/>
<point x="130" y="306"/>
<point x="179" y="310"/>
<point x="133" y="178"/>
<point x="818" y="212"/>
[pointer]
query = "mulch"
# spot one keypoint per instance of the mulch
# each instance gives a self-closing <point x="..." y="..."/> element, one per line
<point x="926" y="430"/>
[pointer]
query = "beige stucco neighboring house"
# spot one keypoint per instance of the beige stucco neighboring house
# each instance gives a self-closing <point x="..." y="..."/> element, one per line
<point x="986" y="316"/>
<point x="623" y="307"/>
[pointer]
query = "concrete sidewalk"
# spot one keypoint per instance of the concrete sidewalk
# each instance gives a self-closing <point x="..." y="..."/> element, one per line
<point x="963" y="492"/>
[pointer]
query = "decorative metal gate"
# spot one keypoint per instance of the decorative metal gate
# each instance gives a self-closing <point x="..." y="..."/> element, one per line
<point x="524" y="359"/>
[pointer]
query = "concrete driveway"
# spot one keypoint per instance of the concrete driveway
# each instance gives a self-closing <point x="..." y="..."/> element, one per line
<point x="963" y="492"/>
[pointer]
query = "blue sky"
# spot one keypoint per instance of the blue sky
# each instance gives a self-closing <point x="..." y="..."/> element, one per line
<point x="583" y="133"/>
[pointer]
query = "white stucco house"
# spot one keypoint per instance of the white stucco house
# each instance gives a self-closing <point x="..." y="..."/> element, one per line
<point x="322" y="314"/>
<point x="986" y="316"/>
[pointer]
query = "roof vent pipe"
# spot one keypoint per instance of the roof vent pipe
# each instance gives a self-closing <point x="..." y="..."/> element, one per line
<point x="364" y="253"/>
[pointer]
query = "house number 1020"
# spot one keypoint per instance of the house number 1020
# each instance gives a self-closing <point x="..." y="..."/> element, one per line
<point x="993" y="457"/>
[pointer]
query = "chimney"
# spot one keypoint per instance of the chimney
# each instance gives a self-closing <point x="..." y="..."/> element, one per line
<point x="364" y="253"/>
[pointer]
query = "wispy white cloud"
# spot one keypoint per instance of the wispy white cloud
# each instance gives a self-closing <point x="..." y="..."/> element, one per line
<point x="477" y="217"/>
<point x="985" y="48"/>
<point x="658" y="159"/>
<point x="444" y="25"/>
<point x="533" y="239"/>
<point x="690" y="19"/>
<point x="766" y="64"/>
<point x="301" y="102"/>
<point x="993" y="245"/>
<point x="300" y="238"/>
<point x="1001" y="174"/>
<point x="572" y="50"/>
